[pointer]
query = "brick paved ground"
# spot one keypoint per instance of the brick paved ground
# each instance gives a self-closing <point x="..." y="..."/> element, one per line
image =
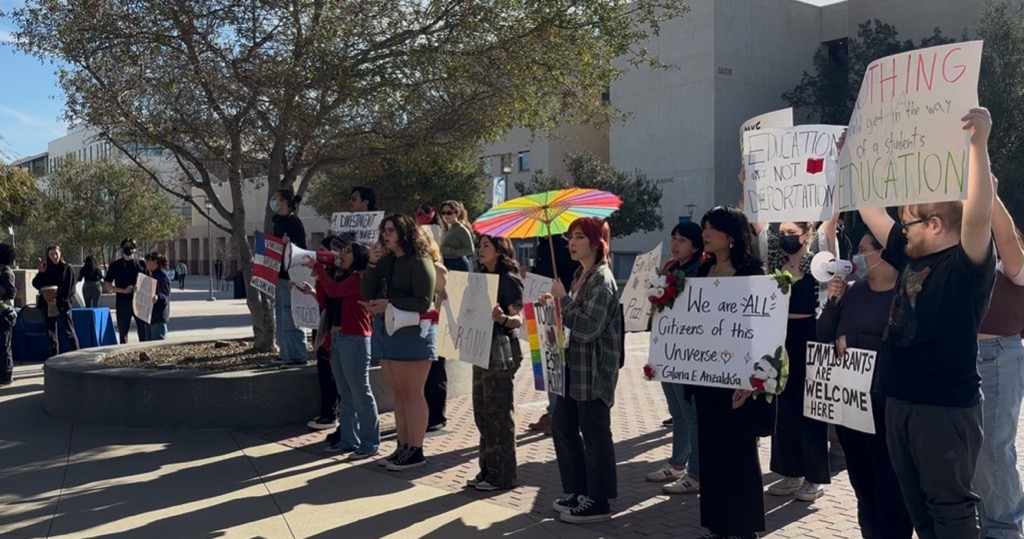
<point x="641" y="444"/>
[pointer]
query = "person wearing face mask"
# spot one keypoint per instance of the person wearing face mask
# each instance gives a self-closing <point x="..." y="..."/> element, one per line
<point x="120" y="279"/>
<point x="855" y="317"/>
<point x="59" y="276"/>
<point x="291" y="341"/>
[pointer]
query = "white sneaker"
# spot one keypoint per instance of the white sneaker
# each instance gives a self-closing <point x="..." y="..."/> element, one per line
<point x="686" y="484"/>
<point x="809" y="492"/>
<point x="666" y="473"/>
<point x="786" y="487"/>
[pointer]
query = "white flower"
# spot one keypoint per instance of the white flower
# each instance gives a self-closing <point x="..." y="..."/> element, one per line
<point x="658" y="292"/>
<point x="662" y="281"/>
<point x="653" y="281"/>
<point x="763" y="364"/>
<point x="772" y="373"/>
<point x="760" y="375"/>
<point x="770" y="386"/>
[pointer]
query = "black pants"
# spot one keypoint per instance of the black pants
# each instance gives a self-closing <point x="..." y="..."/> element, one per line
<point x="586" y="463"/>
<point x="125" y="313"/>
<point x="6" y="356"/>
<point x="436" y="392"/>
<point x="800" y="444"/>
<point x="731" y="491"/>
<point x="181" y="282"/>
<point x="881" y="512"/>
<point x="934" y="451"/>
<point x="328" y="389"/>
<point x="67" y="326"/>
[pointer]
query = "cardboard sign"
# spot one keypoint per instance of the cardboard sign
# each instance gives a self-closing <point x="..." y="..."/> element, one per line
<point x="777" y="118"/>
<point x="266" y="262"/>
<point x="547" y="350"/>
<point x="534" y="286"/>
<point x="305" y="308"/>
<point x="838" y="389"/>
<point x="142" y="300"/>
<point x="906" y="143"/>
<point x="363" y="225"/>
<point x="635" y="307"/>
<point x="791" y="173"/>
<point x="465" y="328"/>
<point x="717" y="330"/>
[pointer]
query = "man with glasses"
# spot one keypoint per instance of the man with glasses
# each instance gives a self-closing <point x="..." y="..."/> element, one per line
<point x="927" y="368"/>
<point x="120" y="280"/>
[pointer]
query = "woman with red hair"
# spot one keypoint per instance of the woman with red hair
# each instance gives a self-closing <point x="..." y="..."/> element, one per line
<point x="592" y="316"/>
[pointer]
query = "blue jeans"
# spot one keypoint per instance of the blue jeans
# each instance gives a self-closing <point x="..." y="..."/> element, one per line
<point x="291" y="341"/>
<point x="156" y="332"/>
<point x="684" y="429"/>
<point x="358" y="422"/>
<point x="997" y="479"/>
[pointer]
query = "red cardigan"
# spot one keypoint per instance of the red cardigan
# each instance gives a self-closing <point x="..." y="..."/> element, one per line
<point x="355" y="318"/>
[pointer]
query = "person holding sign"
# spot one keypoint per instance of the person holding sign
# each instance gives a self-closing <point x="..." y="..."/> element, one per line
<point x="291" y="341"/>
<point x="56" y="281"/>
<point x="1001" y="366"/>
<point x="401" y="273"/>
<point x="457" y="241"/>
<point x="682" y="471"/>
<point x="728" y="422"/>
<point x="595" y="352"/>
<point x="362" y="199"/>
<point x="928" y="368"/>
<point x="156" y="267"/>
<point x="120" y="279"/>
<point x="493" y="388"/>
<point x="856" y="318"/>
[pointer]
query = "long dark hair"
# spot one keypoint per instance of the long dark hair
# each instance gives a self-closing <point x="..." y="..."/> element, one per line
<point x="731" y="221"/>
<point x="506" y="255"/>
<point x="360" y="256"/>
<point x="49" y="263"/>
<point x="290" y="198"/>
<point x="408" y="235"/>
<point x="89" y="267"/>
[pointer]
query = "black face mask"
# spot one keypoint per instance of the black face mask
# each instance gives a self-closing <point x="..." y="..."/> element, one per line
<point x="790" y="244"/>
<point x="128" y="251"/>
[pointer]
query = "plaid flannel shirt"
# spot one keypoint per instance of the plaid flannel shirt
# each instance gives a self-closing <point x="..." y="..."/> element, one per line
<point x="595" y="339"/>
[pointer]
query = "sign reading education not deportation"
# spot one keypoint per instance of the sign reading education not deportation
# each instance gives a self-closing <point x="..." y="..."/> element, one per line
<point x="905" y="144"/>
<point x="717" y="330"/>
<point x="838" y="389"/>
<point x="776" y="118"/>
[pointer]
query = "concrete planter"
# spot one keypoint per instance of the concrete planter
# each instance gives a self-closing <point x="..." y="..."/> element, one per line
<point x="79" y="387"/>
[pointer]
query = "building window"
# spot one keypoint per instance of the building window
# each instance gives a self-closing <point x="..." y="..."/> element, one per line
<point x="506" y="164"/>
<point x="622" y="265"/>
<point x="524" y="161"/>
<point x="606" y="96"/>
<point x="488" y="164"/>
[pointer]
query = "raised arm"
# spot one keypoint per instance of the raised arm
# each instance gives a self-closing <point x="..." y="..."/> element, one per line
<point x="1011" y="253"/>
<point x="976" y="228"/>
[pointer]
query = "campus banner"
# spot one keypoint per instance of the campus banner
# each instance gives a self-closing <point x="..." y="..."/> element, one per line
<point x="547" y="352"/>
<point x="838" y="389"/>
<point x="465" y="327"/>
<point x="266" y="262"/>
<point x="717" y="330"/>
<point x="305" y="308"/>
<point x="636" y="309"/>
<point x="791" y="173"/>
<point x="142" y="300"/>
<point x="364" y="225"/>
<point x="776" y="118"/>
<point x="906" y="143"/>
<point x="534" y="286"/>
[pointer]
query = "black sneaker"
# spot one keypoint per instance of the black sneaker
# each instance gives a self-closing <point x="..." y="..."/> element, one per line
<point x="566" y="504"/>
<point x="334" y="437"/>
<point x="588" y="510"/>
<point x="6" y="382"/>
<point x="411" y="458"/>
<point x="394" y="455"/>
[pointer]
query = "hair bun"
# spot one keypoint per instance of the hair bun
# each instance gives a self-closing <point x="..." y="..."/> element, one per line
<point x="297" y="199"/>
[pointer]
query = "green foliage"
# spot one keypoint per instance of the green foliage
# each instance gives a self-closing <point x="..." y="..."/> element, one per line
<point x="641" y="196"/>
<point x="19" y="196"/>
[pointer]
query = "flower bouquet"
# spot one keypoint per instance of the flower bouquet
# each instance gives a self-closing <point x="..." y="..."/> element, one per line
<point x="770" y="374"/>
<point x="664" y="287"/>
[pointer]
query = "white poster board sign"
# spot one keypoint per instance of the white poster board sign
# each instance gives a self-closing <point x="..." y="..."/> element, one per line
<point x="305" y="308"/>
<point x="363" y="225"/>
<point x="635" y="307"/>
<point x="534" y="286"/>
<point x="717" y="330"/>
<point x="838" y="389"/>
<point x="142" y="300"/>
<point x="906" y="144"/>
<point x="465" y="328"/>
<point x="776" y="118"/>
<point x="791" y="173"/>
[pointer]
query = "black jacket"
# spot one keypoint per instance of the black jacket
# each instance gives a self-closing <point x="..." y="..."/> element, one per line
<point x="291" y="226"/>
<point x="162" y="305"/>
<point x="63" y="277"/>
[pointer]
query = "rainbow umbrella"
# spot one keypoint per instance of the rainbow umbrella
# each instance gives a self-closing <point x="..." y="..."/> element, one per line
<point x="545" y="214"/>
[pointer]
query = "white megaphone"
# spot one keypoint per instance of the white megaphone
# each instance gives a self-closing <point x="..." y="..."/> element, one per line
<point x="296" y="256"/>
<point x="825" y="266"/>
<point x="396" y="319"/>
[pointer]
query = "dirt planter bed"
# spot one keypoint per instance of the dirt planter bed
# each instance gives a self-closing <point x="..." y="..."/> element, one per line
<point x="79" y="386"/>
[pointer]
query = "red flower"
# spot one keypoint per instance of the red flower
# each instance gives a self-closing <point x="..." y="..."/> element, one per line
<point x="671" y="281"/>
<point x="648" y="372"/>
<point x="757" y="383"/>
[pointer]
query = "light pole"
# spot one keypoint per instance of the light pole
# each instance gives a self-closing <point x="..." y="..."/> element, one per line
<point x="209" y="235"/>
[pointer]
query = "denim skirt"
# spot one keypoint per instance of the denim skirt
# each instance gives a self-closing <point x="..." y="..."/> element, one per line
<point x="405" y="345"/>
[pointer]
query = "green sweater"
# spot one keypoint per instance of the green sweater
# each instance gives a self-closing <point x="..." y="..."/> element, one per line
<point x="457" y="242"/>
<point x="406" y="282"/>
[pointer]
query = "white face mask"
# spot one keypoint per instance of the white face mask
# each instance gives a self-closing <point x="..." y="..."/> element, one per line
<point x="861" y="263"/>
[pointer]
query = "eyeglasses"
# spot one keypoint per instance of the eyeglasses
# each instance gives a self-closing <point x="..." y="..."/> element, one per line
<point x="907" y="224"/>
<point x="389" y="230"/>
<point x="447" y="213"/>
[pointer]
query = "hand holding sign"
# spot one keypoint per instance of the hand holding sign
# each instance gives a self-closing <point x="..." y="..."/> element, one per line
<point x="979" y="122"/>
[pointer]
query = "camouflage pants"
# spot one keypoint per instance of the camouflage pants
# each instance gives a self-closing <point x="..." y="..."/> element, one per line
<point x="493" y="412"/>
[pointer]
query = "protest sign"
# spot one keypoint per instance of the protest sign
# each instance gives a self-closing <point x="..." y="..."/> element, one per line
<point x="547" y="351"/>
<point x="777" y="118"/>
<point x="534" y="286"/>
<point x="142" y="300"/>
<point x="363" y="225"/>
<point x="305" y="308"/>
<point x="905" y="144"/>
<point x="266" y="262"/>
<point x="791" y="173"/>
<point x="838" y="389"/>
<point x="465" y="328"/>
<point x="636" y="309"/>
<point x="717" y="330"/>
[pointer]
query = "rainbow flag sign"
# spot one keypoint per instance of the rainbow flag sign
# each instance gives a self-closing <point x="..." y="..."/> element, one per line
<point x="547" y="353"/>
<point x="266" y="262"/>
